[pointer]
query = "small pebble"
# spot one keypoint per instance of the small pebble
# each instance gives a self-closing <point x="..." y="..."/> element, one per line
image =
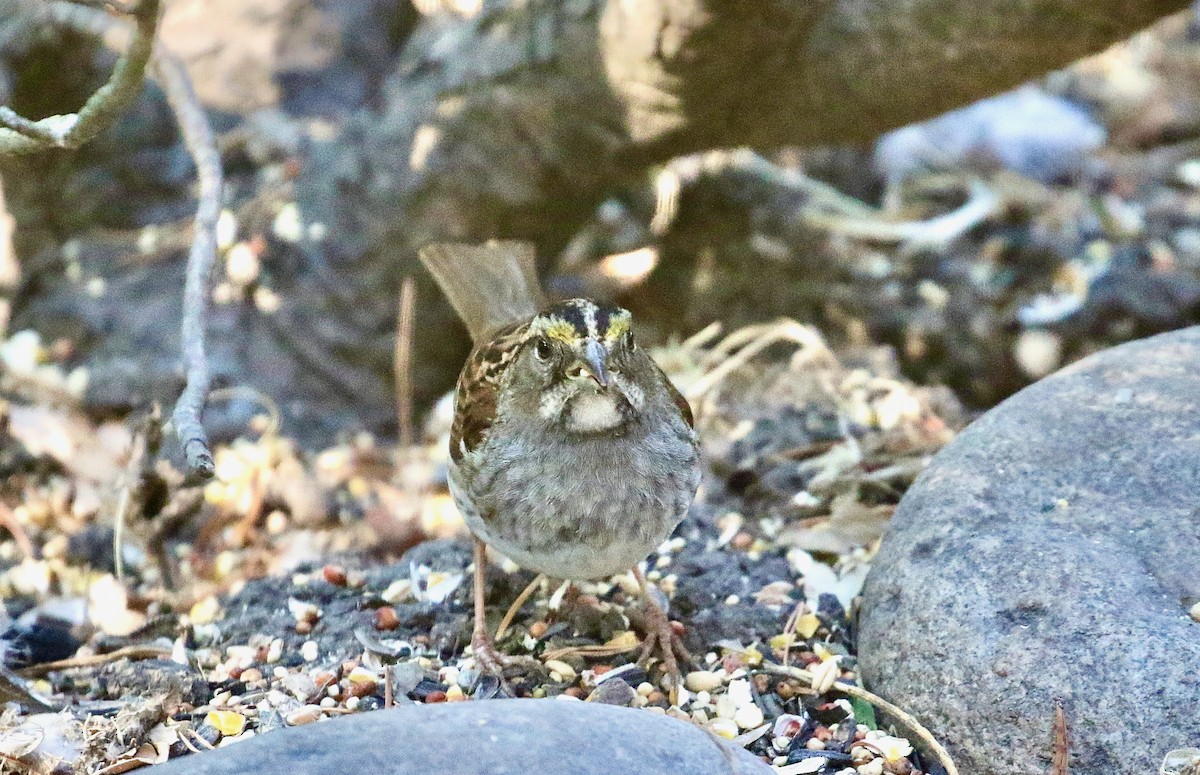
<point x="725" y="728"/>
<point x="208" y="733"/>
<point x="873" y="767"/>
<point x="1195" y="612"/>
<point x="303" y="612"/>
<point x="305" y="714"/>
<point x="352" y="703"/>
<point x="310" y="651"/>
<point x="328" y="702"/>
<point x="229" y="723"/>
<point x="455" y="694"/>
<point x="564" y="671"/>
<point x="702" y="681"/>
<point x="385" y="618"/>
<point x="645" y="688"/>
<point x="434" y="697"/>
<point x="815" y="745"/>
<point x="739" y="692"/>
<point x="748" y="716"/>
<point x="615" y="692"/>
<point x="300" y="685"/>
<point x="362" y="688"/>
<point x="334" y="574"/>
<point x="361" y="675"/>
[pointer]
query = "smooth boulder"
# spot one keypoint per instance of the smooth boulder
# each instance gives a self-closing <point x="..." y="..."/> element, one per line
<point x="1049" y="556"/>
<point x="491" y="737"/>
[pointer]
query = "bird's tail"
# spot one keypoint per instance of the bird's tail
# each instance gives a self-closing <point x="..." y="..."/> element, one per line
<point x="489" y="285"/>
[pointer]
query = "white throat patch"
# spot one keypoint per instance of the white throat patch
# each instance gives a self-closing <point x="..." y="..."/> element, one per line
<point x="594" y="412"/>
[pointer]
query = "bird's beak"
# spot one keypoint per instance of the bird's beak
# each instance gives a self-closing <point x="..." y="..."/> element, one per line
<point x="594" y="356"/>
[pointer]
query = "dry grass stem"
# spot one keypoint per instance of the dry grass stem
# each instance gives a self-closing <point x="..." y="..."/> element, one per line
<point x="403" y="362"/>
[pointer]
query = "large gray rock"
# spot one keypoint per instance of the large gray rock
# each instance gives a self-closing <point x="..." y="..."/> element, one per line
<point x="492" y="737"/>
<point x="1052" y="553"/>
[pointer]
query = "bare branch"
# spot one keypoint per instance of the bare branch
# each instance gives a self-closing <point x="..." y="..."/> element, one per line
<point x="198" y="136"/>
<point x="172" y="76"/>
<point x="19" y="135"/>
<point x="10" y="119"/>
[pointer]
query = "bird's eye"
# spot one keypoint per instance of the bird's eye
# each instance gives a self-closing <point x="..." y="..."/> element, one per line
<point x="541" y="349"/>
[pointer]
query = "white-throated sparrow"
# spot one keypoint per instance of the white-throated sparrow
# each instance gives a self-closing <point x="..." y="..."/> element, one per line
<point x="571" y="452"/>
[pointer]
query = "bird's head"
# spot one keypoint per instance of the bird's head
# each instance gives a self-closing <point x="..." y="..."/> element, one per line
<point x="580" y="362"/>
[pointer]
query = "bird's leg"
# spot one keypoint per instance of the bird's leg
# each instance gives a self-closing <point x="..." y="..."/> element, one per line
<point x="482" y="646"/>
<point x="660" y="633"/>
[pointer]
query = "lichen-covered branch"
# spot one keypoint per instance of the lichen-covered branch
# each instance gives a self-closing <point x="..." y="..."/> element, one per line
<point x="19" y="135"/>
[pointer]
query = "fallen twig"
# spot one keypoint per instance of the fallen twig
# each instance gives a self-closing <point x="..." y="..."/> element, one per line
<point x="19" y="135"/>
<point x="1061" y="763"/>
<point x="128" y="652"/>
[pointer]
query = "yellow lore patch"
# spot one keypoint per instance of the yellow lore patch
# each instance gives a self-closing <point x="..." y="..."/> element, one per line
<point x="617" y="326"/>
<point x="557" y="328"/>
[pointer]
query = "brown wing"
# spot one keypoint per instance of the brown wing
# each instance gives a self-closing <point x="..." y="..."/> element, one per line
<point x="685" y="409"/>
<point x="479" y="389"/>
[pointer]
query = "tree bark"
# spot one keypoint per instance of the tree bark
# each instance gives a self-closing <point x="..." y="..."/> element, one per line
<point x="518" y="121"/>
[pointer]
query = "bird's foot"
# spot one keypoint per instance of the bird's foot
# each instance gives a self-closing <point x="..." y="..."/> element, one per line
<point x="487" y="657"/>
<point x="662" y="637"/>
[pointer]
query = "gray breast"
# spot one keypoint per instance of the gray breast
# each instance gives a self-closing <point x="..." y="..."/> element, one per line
<point x="578" y="507"/>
